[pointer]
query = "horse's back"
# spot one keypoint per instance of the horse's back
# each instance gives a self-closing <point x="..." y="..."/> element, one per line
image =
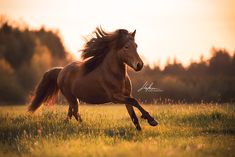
<point x="68" y="74"/>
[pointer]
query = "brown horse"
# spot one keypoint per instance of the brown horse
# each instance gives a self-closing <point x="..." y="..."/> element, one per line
<point x="101" y="78"/>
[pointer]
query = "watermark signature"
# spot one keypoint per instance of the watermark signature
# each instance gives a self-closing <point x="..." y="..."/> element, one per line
<point x="148" y="87"/>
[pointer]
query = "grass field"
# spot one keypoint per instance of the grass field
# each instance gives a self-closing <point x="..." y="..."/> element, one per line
<point x="184" y="130"/>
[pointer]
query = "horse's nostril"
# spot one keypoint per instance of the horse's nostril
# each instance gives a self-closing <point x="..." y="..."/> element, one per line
<point x="139" y="66"/>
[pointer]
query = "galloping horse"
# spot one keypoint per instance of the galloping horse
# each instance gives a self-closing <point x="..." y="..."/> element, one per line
<point x="101" y="77"/>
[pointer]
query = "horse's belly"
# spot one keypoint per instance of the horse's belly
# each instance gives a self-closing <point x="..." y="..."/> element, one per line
<point x="91" y="95"/>
<point x="94" y="100"/>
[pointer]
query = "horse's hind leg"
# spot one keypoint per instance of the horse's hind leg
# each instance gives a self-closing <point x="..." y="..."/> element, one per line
<point x="75" y="110"/>
<point x="73" y="107"/>
<point x="70" y="112"/>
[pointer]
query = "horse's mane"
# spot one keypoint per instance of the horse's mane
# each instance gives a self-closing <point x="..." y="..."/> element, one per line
<point x="97" y="47"/>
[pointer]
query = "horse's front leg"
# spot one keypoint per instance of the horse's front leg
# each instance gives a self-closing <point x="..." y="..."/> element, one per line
<point x="133" y="116"/>
<point x="135" y="103"/>
<point x="144" y="113"/>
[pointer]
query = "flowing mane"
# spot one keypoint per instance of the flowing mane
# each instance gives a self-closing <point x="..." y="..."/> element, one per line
<point x="99" y="45"/>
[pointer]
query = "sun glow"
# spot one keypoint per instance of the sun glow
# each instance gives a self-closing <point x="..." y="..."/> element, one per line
<point x="184" y="29"/>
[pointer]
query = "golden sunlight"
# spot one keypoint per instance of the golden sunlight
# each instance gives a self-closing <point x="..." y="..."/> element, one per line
<point x="171" y="96"/>
<point x="184" y="29"/>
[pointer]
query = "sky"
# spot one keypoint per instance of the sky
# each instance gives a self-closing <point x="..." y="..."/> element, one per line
<point x="182" y="29"/>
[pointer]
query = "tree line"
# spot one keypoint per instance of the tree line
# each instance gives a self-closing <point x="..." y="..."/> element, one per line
<point x="211" y="80"/>
<point x="24" y="56"/>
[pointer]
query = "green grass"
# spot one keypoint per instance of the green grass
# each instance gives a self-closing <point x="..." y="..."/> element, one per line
<point x="184" y="130"/>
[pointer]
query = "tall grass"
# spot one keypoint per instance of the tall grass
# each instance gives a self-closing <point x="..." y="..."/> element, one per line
<point x="184" y="130"/>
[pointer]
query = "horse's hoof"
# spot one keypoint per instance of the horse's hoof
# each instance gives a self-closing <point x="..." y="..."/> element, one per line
<point x="153" y="122"/>
<point x="79" y="118"/>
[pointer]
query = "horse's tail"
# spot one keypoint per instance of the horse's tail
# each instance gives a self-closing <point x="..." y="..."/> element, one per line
<point x="46" y="90"/>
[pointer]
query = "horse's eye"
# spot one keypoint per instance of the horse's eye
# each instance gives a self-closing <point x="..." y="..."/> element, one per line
<point x="126" y="47"/>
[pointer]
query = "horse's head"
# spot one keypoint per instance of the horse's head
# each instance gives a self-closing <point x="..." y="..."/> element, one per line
<point x="120" y="42"/>
<point x="128" y="52"/>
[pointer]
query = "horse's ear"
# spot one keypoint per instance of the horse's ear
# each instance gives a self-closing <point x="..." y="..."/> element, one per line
<point x="133" y="33"/>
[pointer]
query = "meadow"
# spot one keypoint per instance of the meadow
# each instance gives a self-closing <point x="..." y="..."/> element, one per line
<point x="194" y="130"/>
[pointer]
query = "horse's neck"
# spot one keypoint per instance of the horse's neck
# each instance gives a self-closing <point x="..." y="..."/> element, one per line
<point x="114" y="66"/>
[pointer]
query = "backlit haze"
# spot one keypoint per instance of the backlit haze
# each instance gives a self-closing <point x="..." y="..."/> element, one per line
<point x="184" y="29"/>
